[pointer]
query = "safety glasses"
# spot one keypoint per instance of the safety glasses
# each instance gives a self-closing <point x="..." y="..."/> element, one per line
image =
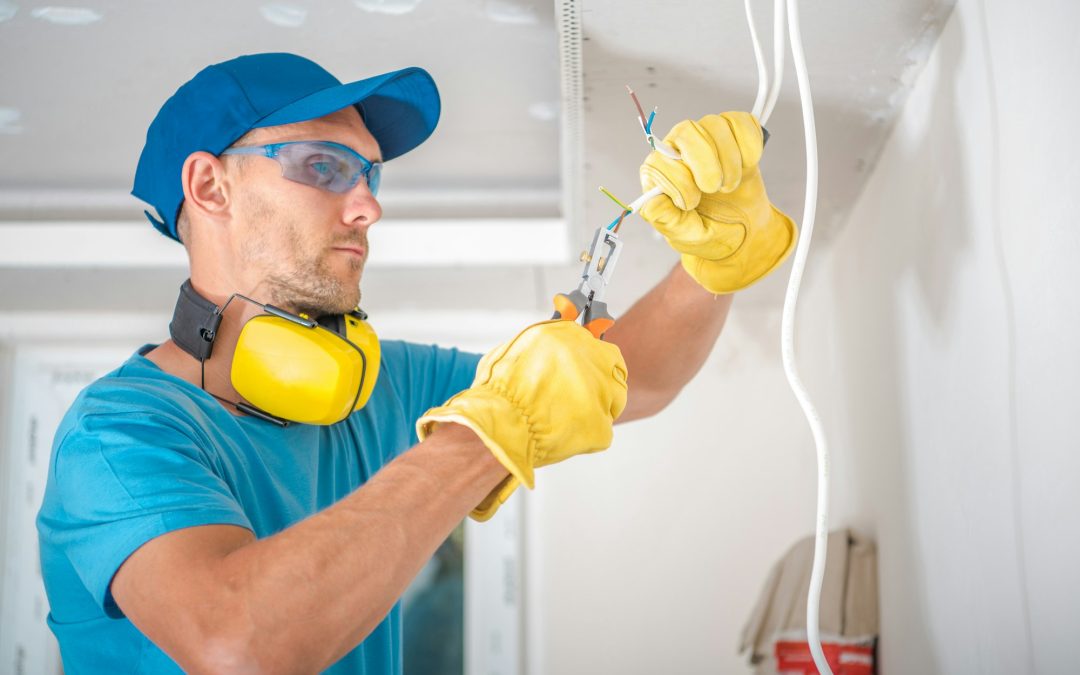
<point x="322" y="164"/>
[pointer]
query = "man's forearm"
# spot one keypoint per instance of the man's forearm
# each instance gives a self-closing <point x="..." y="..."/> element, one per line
<point x="299" y="600"/>
<point x="323" y="585"/>
<point x="665" y="338"/>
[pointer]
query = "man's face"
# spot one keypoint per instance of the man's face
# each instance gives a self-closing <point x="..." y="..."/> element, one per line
<point x="300" y="247"/>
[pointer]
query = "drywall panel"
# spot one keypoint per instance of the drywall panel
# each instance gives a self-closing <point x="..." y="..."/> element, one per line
<point x="950" y="381"/>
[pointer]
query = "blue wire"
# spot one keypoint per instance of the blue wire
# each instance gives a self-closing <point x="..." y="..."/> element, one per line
<point x="616" y="221"/>
<point x="648" y="124"/>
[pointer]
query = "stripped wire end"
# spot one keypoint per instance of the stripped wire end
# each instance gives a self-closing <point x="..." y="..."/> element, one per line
<point x="618" y="223"/>
<point x="648" y="130"/>
<point x="614" y="198"/>
<point x="626" y="210"/>
<point x="615" y="224"/>
<point x="646" y="124"/>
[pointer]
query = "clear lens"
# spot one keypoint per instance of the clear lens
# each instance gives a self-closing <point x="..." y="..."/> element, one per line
<point x="373" y="178"/>
<point x="326" y="166"/>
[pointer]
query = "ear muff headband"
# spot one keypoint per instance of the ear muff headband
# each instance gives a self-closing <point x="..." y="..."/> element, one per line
<point x="360" y="334"/>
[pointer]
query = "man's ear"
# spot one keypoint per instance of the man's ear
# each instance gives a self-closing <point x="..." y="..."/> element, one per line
<point x="205" y="189"/>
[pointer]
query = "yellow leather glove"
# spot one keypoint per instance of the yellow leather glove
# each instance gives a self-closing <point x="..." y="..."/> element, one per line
<point x="714" y="210"/>
<point x="550" y="393"/>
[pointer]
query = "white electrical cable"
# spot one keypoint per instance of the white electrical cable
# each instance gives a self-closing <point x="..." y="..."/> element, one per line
<point x="791" y="298"/>
<point x="759" y="57"/>
<point x="779" y="54"/>
<point x="787" y="345"/>
<point x="636" y="205"/>
<point x="766" y="96"/>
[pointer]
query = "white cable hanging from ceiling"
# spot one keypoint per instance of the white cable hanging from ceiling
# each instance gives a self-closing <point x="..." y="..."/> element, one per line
<point x="763" y="109"/>
<point x="764" y="104"/>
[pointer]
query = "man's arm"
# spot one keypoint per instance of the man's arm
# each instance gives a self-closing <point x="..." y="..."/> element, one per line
<point x="665" y="338"/>
<point x="216" y="600"/>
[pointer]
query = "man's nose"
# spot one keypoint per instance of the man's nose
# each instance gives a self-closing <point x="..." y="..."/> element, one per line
<point x="361" y="207"/>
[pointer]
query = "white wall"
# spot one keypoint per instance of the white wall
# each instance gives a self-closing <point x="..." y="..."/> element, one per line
<point x="946" y="316"/>
<point x="652" y="554"/>
<point x="938" y="333"/>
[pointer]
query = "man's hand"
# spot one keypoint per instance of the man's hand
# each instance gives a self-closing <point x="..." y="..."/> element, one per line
<point x="550" y="393"/>
<point x="714" y="210"/>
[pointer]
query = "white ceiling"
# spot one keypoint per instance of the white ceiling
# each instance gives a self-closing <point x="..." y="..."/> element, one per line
<point x="75" y="101"/>
<point x="87" y="93"/>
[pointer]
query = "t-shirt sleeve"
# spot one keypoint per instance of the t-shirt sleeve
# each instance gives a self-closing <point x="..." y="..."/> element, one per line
<point x="119" y="480"/>
<point x="428" y="375"/>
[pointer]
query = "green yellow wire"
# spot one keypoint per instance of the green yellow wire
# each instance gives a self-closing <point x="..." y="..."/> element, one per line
<point x="614" y="198"/>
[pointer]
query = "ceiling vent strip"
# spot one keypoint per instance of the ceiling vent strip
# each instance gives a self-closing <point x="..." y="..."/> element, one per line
<point x="568" y="20"/>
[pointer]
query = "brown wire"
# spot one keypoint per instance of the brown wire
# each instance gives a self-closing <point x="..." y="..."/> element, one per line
<point x="618" y="224"/>
<point x="637" y="104"/>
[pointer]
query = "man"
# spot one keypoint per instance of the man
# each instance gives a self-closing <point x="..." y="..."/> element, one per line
<point x="187" y="526"/>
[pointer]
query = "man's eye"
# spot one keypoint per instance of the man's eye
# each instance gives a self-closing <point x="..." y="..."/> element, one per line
<point x="322" y="170"/>
<point x="322" y="165"/>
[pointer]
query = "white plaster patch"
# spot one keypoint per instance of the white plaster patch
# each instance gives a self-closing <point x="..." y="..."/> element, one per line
<point x="284" y="15"/>
<point x="7" y="10"/>
<point x="396" y="7"/>
<point x="510" y="11"/>
<point x="67" y="16"/>
<point x="10" y="119"/>
<point x="883" y="106"/>
<point x="545" y="111"/>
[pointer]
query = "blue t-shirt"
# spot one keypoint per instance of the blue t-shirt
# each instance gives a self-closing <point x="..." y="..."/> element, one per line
<point x="141" y="453"/>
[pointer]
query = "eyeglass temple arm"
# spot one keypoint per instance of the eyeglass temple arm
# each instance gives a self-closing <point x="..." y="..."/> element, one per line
<point x="248" y="150"/>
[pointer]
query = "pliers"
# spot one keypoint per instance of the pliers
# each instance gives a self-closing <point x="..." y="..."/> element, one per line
<point x="587" y="300"/>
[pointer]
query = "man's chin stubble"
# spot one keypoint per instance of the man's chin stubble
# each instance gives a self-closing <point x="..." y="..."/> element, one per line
<point x="331" y="297"/>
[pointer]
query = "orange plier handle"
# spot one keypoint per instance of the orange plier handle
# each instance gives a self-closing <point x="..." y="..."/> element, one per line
<point x="593" y="314"/>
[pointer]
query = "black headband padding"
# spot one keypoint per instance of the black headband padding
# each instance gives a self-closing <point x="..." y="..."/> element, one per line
<point x="195" y="322"/>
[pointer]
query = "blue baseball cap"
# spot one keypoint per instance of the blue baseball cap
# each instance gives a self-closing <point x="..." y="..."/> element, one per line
<point x="226" y="100"/>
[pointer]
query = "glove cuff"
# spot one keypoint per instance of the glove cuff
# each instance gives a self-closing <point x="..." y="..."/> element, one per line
<point x="501" y="426"/>
<point x="496" y="498"/>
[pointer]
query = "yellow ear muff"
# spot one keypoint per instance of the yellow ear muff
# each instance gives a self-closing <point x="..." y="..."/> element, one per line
<point x="305" y="374"/>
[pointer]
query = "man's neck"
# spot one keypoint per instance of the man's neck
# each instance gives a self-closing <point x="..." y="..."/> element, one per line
<point x="214" y="375"/>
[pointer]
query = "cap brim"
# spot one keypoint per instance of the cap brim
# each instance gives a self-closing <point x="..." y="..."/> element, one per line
<point x="400" y="109"/>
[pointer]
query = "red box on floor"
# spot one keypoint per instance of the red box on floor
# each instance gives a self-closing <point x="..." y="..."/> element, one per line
<point x="793" y="658"/>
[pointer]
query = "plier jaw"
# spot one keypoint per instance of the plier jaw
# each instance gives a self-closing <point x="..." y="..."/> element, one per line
<point x="587" y="300"/>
